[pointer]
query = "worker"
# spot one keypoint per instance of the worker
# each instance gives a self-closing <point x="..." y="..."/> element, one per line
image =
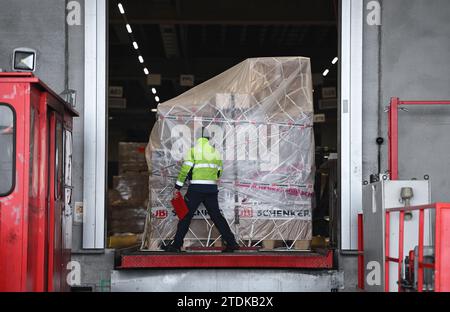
<point x="203" y="165"/>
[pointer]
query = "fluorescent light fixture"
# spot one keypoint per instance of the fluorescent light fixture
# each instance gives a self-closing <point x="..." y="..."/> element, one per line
<point x="335" y="60"/>
<point x="129" y="28"/>
<point x="157" y="98"/>
<point x="154" y="110"/>
<point x="146" y="71"/>
<point x="141" y="59"/>
<point x="24" y="59"/>
<point x="153" y="90"/>
<point x="135" y="45"/>
<point x="122" y="11"/>
<point x="325" y="73"/>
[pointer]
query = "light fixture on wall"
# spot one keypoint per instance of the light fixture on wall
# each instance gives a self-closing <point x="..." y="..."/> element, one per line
<point x="24" y="60"/>
<point x="70" y="96"/>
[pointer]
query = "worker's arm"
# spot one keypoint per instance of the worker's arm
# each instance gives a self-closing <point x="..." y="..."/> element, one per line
<point x="185" y="169"/>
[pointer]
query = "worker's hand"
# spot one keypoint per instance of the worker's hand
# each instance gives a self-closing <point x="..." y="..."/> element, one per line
<point x="175" y="193"/>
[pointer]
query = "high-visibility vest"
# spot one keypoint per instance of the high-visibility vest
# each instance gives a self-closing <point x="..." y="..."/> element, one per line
<point x="204" y="161"/>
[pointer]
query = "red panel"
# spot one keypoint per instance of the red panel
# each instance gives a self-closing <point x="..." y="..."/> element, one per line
<point x="31" y="255"/>
<point x="13" y="214"/>
<point x="16" y="74"/>
<point x="43" y="200"/>
<point x="36" y="212"/>
<point x="237" y="260"/>
<point x="51" y="199"/>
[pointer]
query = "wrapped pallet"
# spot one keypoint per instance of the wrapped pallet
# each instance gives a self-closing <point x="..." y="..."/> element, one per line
<point x="260" y="116"/>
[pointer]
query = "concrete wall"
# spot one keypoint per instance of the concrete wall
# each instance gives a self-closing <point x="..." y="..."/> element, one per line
<point x="75" y="59"/>
<point x="41" y="25"/>
<point x="407" y="57"/>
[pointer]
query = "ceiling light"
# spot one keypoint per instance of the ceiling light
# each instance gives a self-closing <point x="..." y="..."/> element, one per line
<point x="335" y="60"/>
<point x="129" y="28"/>
<point x="135" y="45"/>
<point x="157" y="98"/>
<point x="153" y="90"/>
<point x="141" y="59"/>
<point x="122" y="11"/>
<point x="154" y="110"/>
<point x="325" y="73"/>
<point x="146" y="70"/>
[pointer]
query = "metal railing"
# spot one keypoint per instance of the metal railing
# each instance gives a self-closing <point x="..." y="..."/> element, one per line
<point x="441" y="263"/>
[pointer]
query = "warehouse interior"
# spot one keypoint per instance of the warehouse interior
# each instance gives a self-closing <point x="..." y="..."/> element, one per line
<point x="179" y="38"/>
<point x="380" y="76"/>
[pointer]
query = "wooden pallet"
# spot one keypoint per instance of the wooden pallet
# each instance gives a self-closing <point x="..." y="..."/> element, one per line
<point x="279" y="244"/>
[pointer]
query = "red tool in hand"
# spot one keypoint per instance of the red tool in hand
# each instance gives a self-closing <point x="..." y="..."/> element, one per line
<point x="179" y="205"/>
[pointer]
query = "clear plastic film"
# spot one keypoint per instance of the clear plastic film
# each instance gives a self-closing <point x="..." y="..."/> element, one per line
<point x="259" y="116"/>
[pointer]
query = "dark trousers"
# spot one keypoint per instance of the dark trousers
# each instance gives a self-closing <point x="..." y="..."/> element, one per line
<point x="193" y="200"/>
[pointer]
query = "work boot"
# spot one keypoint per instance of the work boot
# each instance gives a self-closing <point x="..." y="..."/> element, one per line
<point x="170" y="248"/>
<point x="230" y="248"/>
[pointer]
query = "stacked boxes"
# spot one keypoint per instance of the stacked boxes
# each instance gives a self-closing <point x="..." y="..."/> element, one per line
<point x="132" y="158"/>
<point x="260" y="115"/>
<point x="128" y="200"/>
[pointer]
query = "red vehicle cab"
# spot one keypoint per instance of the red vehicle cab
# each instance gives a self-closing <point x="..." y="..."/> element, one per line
<point x="35" y="185"/>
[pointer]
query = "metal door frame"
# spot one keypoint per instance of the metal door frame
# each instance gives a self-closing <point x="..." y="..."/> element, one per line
<point x="95" y="132"/>
<point x="350" y="120"/>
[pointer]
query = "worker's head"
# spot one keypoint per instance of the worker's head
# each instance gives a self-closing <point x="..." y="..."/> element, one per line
<point x="205" y="133"/>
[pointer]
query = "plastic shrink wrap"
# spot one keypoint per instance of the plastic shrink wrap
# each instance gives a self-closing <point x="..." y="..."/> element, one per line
<point x="259" y="114"/>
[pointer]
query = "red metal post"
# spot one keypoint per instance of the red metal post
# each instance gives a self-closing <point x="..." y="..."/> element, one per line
<point x="393" y="130"/>
<point x="393" y="138"/>
<point x="420" y="259"/>
<point x="386" y="248"/>
<point x="411" y="264"/>
<point x="437" y="250"/>
<point x="442" y="248"/>
<point x="360" y="252"/>
<point x="401" y="239"/>
<point x="424" y="102"/>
